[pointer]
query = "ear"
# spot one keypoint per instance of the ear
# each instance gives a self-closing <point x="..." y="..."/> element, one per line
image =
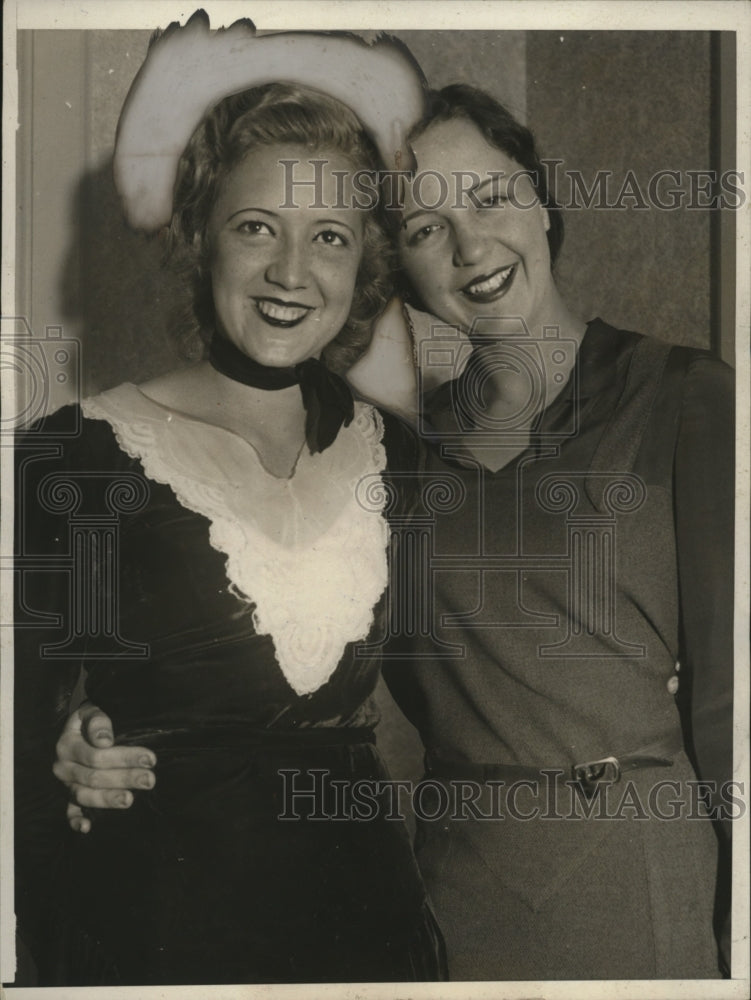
<point x="545" y="218"/>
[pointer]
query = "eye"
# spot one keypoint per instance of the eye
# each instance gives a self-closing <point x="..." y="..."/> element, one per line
<point x="422" y="234"/>
<point x="331" y="238"/>
<point x="254" y="227"/>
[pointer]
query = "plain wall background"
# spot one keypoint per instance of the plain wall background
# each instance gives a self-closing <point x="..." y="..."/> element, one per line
<point x="629" y="101"/>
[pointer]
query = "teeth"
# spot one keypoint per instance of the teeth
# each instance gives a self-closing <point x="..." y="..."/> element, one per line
<point x="285" y="314"/>
<point x="491" y="284"/>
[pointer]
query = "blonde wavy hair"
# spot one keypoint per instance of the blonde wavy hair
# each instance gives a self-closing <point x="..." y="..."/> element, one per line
<point x="266" y="115"/>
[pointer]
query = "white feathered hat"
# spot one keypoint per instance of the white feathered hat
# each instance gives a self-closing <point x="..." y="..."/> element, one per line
<point x="188" y="70"/>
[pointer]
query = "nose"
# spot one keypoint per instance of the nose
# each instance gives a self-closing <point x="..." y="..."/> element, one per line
<point x="470" y="243"/>
<point x="290" y="265"/>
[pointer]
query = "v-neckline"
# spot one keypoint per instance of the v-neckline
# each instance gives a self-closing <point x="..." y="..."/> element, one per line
<point x="306" y="554"/>
<point x="572" y="392"/>
<point x="171" y="412"/>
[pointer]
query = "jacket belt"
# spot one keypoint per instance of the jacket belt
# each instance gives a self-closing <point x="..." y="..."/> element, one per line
<point x="589" y="774"/>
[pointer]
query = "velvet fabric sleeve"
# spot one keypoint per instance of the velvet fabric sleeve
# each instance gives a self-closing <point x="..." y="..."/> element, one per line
<point x="44" y="679"/>
<point x="63" y="468"/>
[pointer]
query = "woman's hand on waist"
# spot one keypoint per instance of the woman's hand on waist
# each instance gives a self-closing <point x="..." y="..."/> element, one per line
<point x="98" y="774"/>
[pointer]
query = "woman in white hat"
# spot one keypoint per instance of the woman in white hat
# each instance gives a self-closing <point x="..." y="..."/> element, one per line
<point x="252" y="556"/>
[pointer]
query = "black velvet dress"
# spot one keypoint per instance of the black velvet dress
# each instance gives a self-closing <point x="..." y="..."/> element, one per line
<point x="229" y="870"/>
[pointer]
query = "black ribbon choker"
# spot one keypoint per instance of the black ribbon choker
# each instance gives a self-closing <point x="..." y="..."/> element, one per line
<point x="326" y="397"/>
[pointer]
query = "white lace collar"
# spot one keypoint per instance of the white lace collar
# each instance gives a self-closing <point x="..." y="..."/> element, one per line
<point x="303" y="550"/>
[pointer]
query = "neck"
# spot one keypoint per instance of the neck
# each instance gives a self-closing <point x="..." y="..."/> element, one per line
<point x="253" y="405"/>
<point x="254" y="394"/>
<point x="556" y="314"/>
<point x="325" y="396"/>
<point x="272" y="421"/>
<point x="553" y="357"/>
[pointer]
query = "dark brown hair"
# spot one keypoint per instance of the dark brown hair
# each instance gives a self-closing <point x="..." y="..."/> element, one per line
<point x="502" y="130"/>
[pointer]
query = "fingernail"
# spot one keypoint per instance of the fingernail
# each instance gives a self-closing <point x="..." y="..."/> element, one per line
<point x="103" y="734"/>
<point x="124" y="799"/>
<point x="146" y="781"/>
<point x="146" y="760"/>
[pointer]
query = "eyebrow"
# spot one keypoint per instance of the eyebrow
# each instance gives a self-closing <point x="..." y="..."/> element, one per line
<point x="251" y="208"/>
<point x="493" y="178"/>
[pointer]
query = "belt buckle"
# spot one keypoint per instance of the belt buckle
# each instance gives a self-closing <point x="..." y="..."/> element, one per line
<point x="592" y="773"/>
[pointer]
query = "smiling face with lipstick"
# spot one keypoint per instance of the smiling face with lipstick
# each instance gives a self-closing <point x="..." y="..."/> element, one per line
<point x="282" y="262"/>
<point x="485" y="253"/>
<point x="283" y="278"/>
<point x="479" y="233"/>
<point x="477" y="241"/>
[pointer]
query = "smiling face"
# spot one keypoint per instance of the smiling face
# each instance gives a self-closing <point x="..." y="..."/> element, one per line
<point x="283" y="278"/>
<point x="484" y="254"/>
